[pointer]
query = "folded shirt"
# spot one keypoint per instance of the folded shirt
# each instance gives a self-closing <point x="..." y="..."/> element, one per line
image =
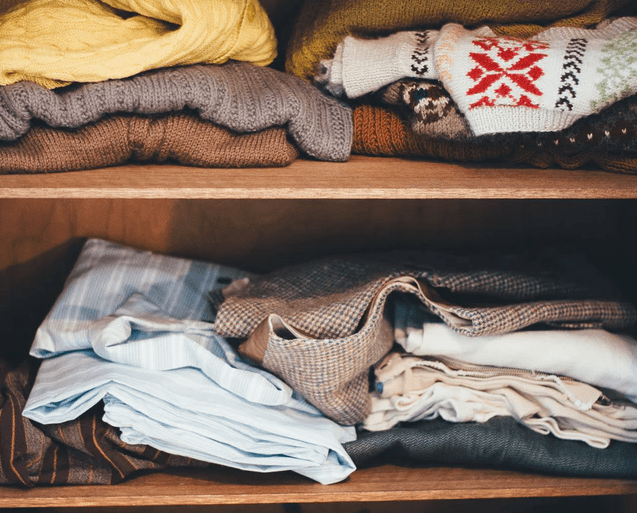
<point x="417" y="388"/>
<point x="237" y="95"/>
<point x="55" y="42"/>
<point x="597" y="357"/>
<point x="114" y="140"/>
<point x="321" y="325"/>
<point x="84" y="451"/>
<point x="132" y="329"/>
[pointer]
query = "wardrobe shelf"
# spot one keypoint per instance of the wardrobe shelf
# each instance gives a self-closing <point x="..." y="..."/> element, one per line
<point x="360" y="178"/>
<point x="383" y="483"/>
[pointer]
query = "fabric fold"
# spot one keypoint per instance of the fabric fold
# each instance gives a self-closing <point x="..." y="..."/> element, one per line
<point x="115" y="140"/>
<point x="56" y="42"/>
<point x="238" y="96"/>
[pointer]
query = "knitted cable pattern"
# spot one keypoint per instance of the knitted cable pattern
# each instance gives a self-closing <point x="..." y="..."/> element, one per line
<point x="235" y="95"/>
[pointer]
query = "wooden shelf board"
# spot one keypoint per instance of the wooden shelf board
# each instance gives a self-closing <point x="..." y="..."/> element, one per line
<point x="384" y="483"/>
<point x="360" y="178"/>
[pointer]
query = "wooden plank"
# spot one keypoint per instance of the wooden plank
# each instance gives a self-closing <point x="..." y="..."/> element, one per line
<point x="384" y="483"/>
<point x="360" y="178"/>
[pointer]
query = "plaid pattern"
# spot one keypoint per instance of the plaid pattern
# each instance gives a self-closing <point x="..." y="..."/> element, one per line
<point x="337" y="306"/>
<point x="83" y="451"/>
<point x="332" y="373"/>
<point x="327" y="298"/>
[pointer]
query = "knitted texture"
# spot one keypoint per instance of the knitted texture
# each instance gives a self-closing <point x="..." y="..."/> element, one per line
<point x="381" y="131"/>
<point x="55" y="42"/>
<point x="238" y="96"/>
<point x="114" y="140"/>
<point x="539" y="85"/>
<point x="83" y="451"/>
<point x="428" y="108"/>
<point x="321" y="26"/>
<point x="606" y="141"/>
<point x="361" y="66"/>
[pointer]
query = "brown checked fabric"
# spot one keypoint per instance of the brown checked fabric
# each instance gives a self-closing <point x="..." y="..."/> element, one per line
<point x="183" y="138"/>
<point x="319" y="325"/>
<point x="83" y="451"/>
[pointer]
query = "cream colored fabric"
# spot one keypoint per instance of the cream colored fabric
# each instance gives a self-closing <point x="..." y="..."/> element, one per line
<point x="55" y="42"/>
<point x="413" y="388"/>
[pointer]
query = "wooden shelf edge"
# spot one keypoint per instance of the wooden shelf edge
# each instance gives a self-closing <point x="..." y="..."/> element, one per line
<point x="360" y="178"/>
<point x="385" y="483"/>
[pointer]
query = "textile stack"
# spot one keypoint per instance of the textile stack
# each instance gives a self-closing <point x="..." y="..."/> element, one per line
<point x="148" y="361"/>
<point x="538" y="86"/>
<point x="83" y="86"/>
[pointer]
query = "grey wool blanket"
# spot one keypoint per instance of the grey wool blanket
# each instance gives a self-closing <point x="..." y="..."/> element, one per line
<point x="239" y="96"/>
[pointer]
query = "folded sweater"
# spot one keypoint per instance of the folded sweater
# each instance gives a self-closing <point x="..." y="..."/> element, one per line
<point x="541" y="84"/>
<point x="114" y="140"/>
<point x="381" y="131"/>
<point x="238" y="96"/>
<point x="55" y="42"/>
<point x="320" y="26"/>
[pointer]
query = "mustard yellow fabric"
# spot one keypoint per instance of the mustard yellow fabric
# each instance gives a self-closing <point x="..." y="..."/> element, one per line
<point x="56" y="42"/>
<point x="322" y="24"/>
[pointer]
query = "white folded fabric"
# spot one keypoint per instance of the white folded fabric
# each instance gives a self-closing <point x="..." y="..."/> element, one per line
<point x="361" y="66"/>
<point x="414" y="388"/>
<point x="594" y="356"/>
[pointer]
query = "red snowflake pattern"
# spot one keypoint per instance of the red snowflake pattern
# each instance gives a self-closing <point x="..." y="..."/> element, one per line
<point x="506" y="71"/>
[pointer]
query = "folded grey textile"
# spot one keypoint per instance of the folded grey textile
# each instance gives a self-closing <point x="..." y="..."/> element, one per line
<point x="500" y="442"/>
<point x="319" y="326"/>
<point x="236" y="95"/>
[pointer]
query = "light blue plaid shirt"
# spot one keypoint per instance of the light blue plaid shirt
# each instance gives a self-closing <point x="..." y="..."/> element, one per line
<point x="132" y="329"/>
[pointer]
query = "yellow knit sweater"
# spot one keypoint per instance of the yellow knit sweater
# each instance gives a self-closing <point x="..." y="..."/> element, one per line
<point x="322" y="24"/>
<point x="55" y="42"/>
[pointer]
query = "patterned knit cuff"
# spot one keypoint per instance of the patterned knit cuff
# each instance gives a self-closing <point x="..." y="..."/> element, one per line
<point x="361" y="66"/>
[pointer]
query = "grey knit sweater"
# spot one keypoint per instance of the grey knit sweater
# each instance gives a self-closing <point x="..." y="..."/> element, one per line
<point x="238" y="96"/>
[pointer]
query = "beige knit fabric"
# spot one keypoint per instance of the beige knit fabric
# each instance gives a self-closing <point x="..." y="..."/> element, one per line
<point x="181" y="137"/>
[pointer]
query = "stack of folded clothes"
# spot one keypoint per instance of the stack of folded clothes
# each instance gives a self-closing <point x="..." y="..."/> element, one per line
<point x="537" y="85"/>
<point x="151" y="361"/>
<point x="131" y="333"/>
<point x="86" y="84"/>
<point x="321" y="326"/>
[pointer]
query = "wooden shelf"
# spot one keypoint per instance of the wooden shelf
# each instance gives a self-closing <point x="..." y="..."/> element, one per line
<point x="360" y="178"/>
<point x="385" y="483"/>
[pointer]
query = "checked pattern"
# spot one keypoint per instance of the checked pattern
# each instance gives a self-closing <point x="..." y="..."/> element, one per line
<point x="505" y="72"/>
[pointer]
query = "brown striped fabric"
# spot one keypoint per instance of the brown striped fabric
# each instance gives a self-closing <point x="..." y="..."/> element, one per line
<point x="184" y="138"/>
<point x="82" y="451"/>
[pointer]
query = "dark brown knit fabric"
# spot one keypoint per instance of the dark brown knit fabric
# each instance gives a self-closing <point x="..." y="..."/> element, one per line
<point x="82" y="451"/>
<point x="184" y="138"/>
<point x="382" y="131"/>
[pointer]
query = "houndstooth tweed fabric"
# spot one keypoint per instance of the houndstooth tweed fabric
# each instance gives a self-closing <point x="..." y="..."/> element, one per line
<point x="329" y="314"/>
